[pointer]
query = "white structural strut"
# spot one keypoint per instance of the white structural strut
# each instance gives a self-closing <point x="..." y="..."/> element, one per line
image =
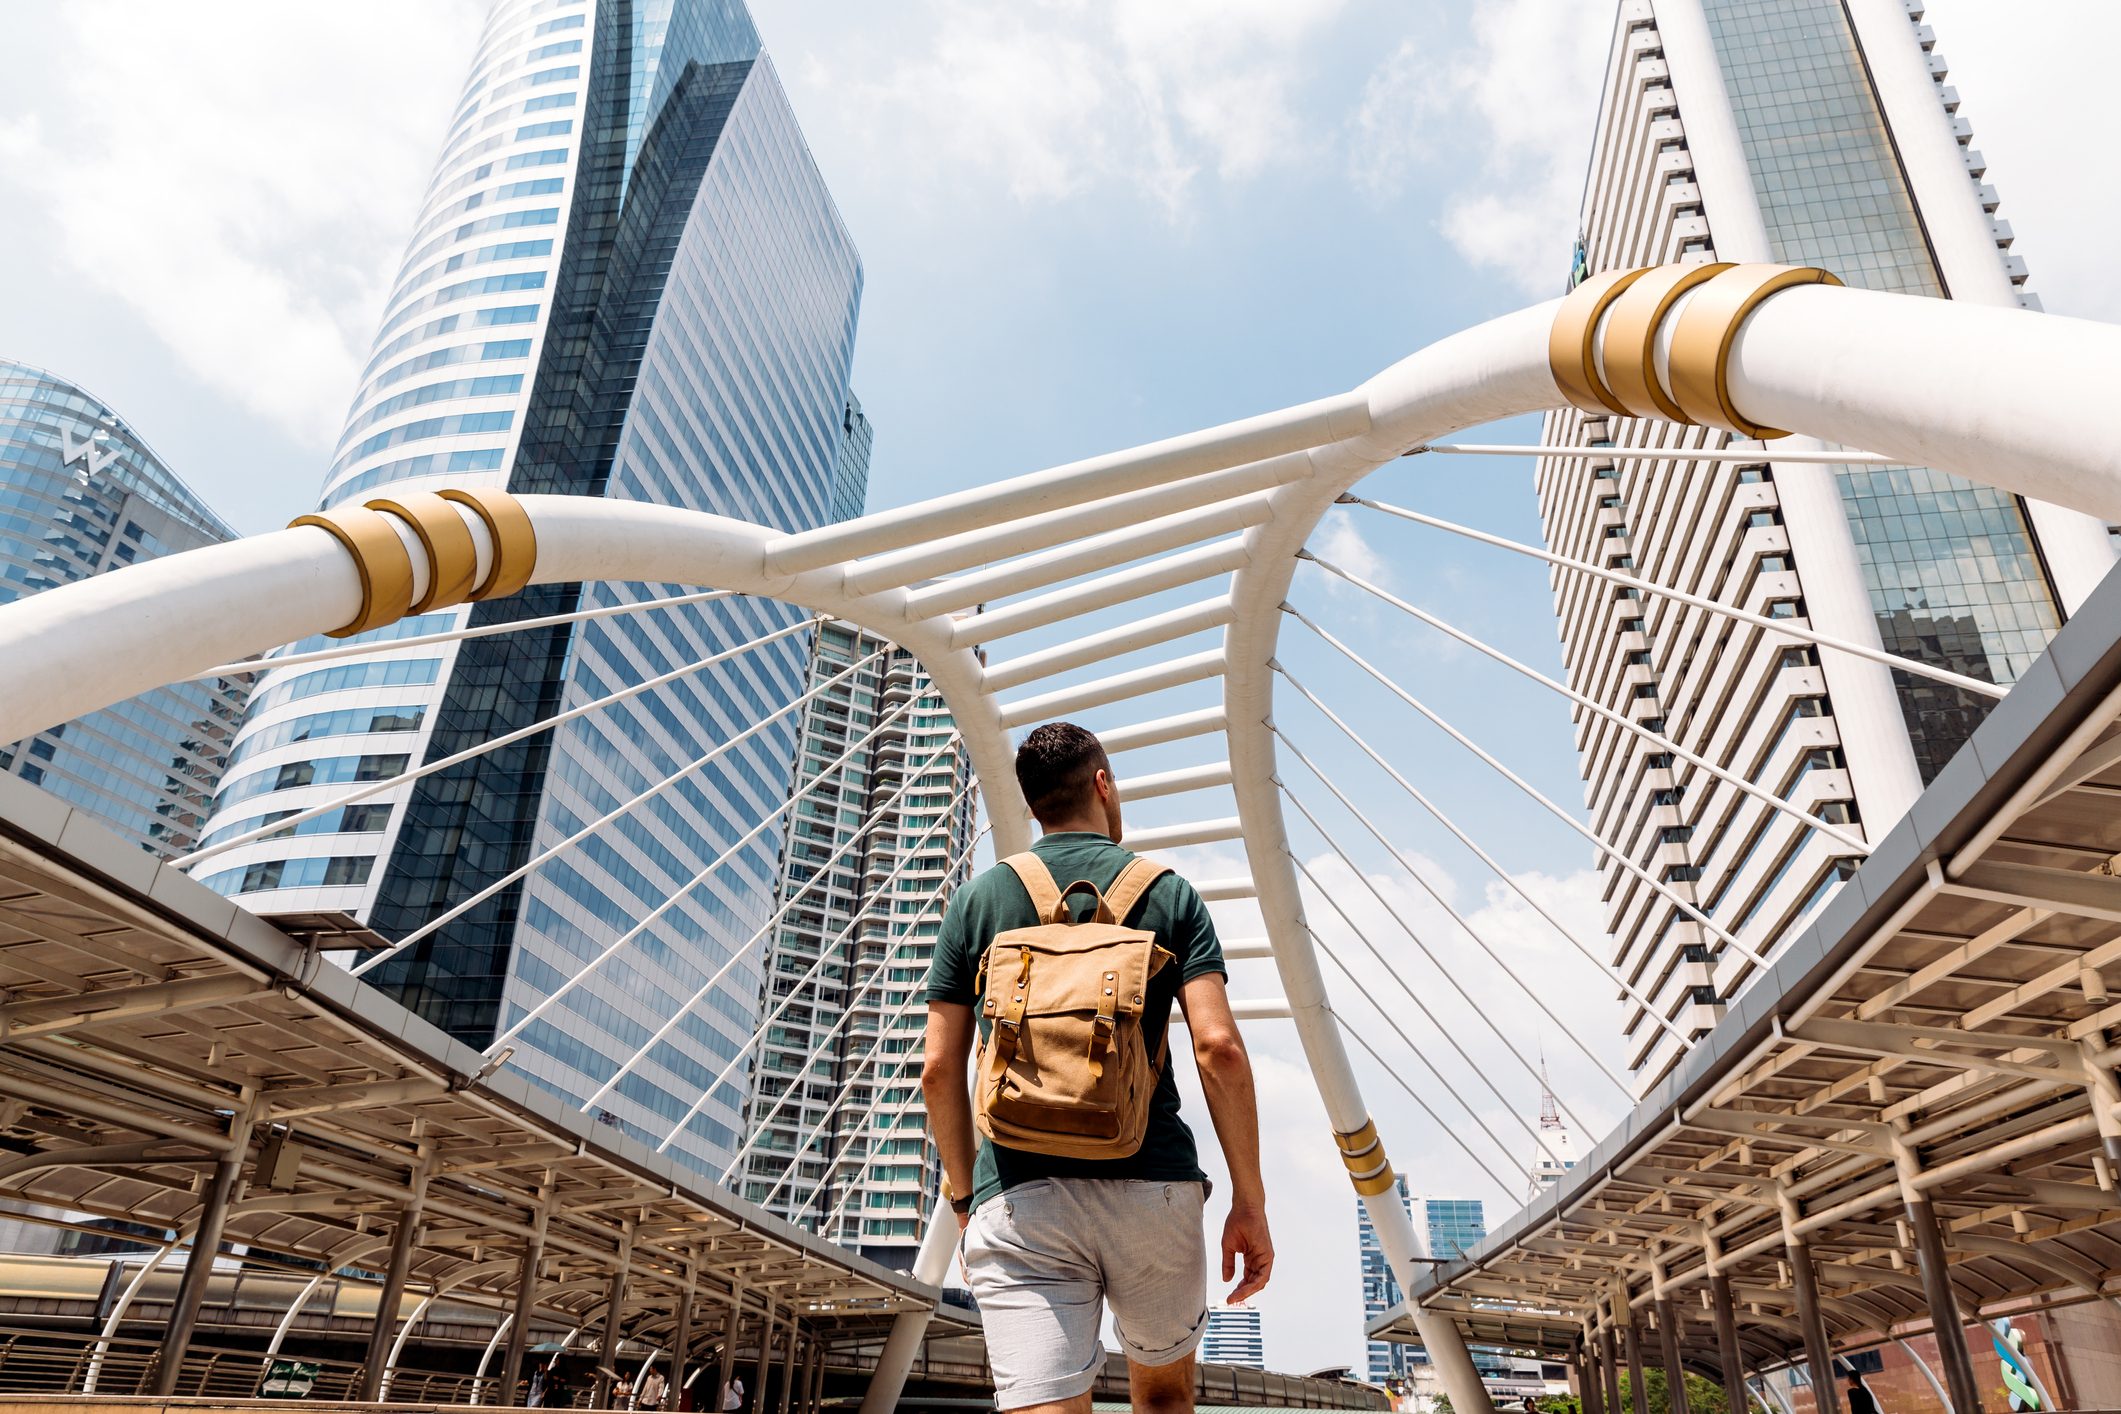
<point x="2004" y="397"/>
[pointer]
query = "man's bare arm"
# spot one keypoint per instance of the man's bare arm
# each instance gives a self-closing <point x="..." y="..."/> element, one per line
<point x="948" y="1049"/>
<point x="1226" y="1078"/>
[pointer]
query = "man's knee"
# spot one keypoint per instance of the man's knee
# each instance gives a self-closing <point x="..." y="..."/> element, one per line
<point x="1161" y="1389"/>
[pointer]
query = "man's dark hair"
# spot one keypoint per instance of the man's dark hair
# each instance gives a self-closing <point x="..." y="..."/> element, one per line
<point x="1055" y="767"/>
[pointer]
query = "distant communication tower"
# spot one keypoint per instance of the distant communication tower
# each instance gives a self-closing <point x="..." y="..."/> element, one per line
<point x="1555" y="1154"/>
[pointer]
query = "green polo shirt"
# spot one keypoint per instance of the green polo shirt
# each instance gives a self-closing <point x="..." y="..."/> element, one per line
<point x="995" y="902"/>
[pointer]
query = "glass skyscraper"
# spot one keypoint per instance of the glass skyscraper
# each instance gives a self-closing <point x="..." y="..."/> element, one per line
<point x="1806" y="132"/>
<point x="81" y="493"/>
<point x="1451" y="1227"/>
<point x="627" y="279"/>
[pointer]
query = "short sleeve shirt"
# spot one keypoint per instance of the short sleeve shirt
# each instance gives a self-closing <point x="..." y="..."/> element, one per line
<point x="1173" y="909"/>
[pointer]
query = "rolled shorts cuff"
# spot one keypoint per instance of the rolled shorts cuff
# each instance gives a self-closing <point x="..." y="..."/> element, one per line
<point x="1169" y="1354"/>
<point x="1029" y="1392"/>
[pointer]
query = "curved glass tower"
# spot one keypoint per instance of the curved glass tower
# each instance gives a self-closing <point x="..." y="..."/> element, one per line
<point x="80" y="493"/>
<point x="627" y="279"/>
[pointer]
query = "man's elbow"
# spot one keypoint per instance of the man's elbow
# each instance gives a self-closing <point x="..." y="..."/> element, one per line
<point x="1221" y="1053"/>
<point x="938" y="1075"/>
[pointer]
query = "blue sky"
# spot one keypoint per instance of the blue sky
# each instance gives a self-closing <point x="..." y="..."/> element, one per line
<point x="1085" y="224"/>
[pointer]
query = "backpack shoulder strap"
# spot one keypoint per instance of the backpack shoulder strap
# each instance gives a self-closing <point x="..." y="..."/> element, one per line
<point x="1038" y="882"/>
<point x="1133" y="881"/>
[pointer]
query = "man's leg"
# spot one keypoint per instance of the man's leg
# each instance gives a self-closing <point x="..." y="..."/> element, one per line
<point x="1039" y="1299"/>
<point x="1156" y="1277"/>
<point x="1160" y="1389"/>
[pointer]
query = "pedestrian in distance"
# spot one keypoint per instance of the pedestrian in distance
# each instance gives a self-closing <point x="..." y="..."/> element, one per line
<point x="1074" y="1178"/>
<point x="1861" y="1400"/>
<point x="733" y="1394"/>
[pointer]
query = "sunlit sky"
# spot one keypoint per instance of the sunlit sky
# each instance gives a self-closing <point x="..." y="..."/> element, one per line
<point x="1085" y="224"/>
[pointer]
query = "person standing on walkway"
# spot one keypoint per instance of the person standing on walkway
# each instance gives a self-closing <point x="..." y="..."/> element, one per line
<point x="1084" y="1184"/>
<point x="1860" y="1398"/>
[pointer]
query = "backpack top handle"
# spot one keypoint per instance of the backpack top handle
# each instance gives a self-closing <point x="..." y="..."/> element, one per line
<point x="1062" y="914"/>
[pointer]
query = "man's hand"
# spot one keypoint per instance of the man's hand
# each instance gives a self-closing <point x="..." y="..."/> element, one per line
<point x="1245" y="1234"/>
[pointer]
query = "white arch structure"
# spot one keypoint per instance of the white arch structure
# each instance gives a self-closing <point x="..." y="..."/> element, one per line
<point x="2013" y="399"/>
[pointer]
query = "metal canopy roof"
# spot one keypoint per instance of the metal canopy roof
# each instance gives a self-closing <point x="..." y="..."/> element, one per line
<point x="1949" y="1005"/>
<point x="141" y="1013"/>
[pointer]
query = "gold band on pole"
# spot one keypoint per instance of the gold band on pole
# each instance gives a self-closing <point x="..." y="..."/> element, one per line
<point x="515" y="543"/>
<point x="1602" y="348"/>
<point x="1708" y="326"/>
<point x="379" y="557"/>
<point x="452" y="557"/>
<point x="369" y="534"/>
<point x="1571" y="344"/>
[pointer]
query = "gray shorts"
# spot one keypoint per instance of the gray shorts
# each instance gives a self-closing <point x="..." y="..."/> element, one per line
<point x="1043" y="1257"/>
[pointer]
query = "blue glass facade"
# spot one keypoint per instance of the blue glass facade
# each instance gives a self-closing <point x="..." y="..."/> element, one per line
<point x="689" y="345"/>
<point x="1451" y="1227"/>
<point x="80" y="494"/>
<point x="1953" y="570"/>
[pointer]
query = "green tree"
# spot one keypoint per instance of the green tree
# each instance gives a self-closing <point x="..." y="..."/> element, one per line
<point x="1702" y="1396"/>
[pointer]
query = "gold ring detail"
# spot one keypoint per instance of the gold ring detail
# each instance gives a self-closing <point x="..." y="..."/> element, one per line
<point x="1708" y="327"/>
<point x="1630" y="343"/>
<point x="379" y="557"/>
<point x="452" y="555"/>
<point x="515" y="543"/>
<point x="1357" y="1141"/>
<point x="1377" y="1182"/>
<point x="1570" y="354"/>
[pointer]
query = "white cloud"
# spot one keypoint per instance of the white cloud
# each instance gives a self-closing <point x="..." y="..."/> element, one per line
<point x="1056" y="98"/>
<point x="1523" y="98"/>
<point x="211" y="179"/>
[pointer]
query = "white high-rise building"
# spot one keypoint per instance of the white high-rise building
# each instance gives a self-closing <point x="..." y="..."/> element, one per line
<point x="1234" y="1337"/>
<point x="1808" y="132"/>
<point x="846" y="1154"/>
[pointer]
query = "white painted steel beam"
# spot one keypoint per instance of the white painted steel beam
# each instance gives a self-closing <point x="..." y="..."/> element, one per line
<point x="1118" y="687"/>
<point x="1175" y="458"/>
<point x="1109" y="643"/>
<point x="1081" y="557"/>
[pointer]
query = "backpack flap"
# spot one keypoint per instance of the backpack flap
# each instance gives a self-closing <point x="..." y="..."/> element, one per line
<point x="1065" y="1069"/>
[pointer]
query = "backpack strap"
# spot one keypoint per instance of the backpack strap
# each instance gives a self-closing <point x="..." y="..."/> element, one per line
<point x="1133" y="881"/>
<point x="1038" y="882"/>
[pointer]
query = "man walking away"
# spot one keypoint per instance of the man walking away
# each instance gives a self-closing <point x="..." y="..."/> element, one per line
<point x="1086" y="1186"/>
<point x="1861" y="1400"/>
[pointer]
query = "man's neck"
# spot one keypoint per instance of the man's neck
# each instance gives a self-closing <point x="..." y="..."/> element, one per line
<point x="1075" y="827"/>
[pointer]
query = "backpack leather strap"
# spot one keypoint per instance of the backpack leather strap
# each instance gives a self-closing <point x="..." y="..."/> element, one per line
<point x="1133" y="881"/>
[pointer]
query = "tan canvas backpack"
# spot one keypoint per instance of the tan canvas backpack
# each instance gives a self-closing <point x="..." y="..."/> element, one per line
<point x="1064" y="1069"/>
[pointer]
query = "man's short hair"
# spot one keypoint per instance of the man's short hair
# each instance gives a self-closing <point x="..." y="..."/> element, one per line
<point x="1055" y="767"/>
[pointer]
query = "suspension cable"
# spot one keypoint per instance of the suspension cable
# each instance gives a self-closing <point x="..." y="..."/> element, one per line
<point x="1605" y="850"/>
<point x="1456" y="917"/>
<point x="1744" y="616"/>
<point x="758" y="1124"/>
<point x="766" y="927"/>
<point x="493" y="744"/>
<point x="707" y="871"/>
<point x="531" y="865"/>
<point x="846" y="1093"/>
<point x="825" y="953"/>
<point x="1415" y="1095"/>
<point x="1598" y="709"/>
<point x="1509" y="880"/>
<point x="458" y="635"/>
<point x="1450" y="1036"/>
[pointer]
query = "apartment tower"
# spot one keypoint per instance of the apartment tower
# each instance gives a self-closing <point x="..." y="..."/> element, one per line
<point x="837" y="1130"/>
<point x="81" y="493"/>
<point x="1235" y="1337"/>
<point x="1809" y="132"/>
<point x="626" y="279"/>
